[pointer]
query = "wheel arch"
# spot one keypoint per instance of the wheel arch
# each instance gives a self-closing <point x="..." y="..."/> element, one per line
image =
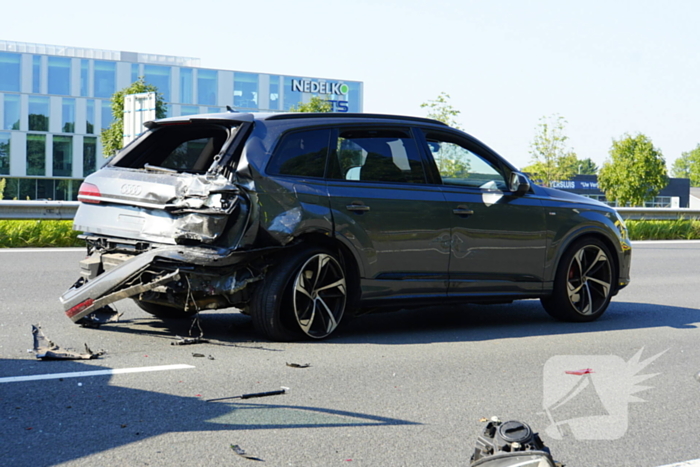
<point x="599" y="235"/>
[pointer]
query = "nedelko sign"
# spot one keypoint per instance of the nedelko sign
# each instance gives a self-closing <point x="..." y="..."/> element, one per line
<point x="319" y="87"/>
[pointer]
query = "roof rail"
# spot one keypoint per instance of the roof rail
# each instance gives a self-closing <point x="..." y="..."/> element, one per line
<point x="300" y="115"/>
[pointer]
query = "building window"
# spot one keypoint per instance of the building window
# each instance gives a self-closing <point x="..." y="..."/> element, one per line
<point x="189" y="110"/>
<point x="105" y="78"/>
<point x="9" y="72"/>
<point x="36" y="74"/>
<point x="291" y="98"/>
<point x="4" y="153"/>
<point x="12" y="112"/>
<point x="90" y="117"/>
<point x="84" y="78"/>
<point x="89" y="155"/>
<point x="159" y="76"/>
<point x="186" y="86"/>
<point x="207" y="85"/>
<point x="68" y="115"/>
<point x="59" y="75"/>
<point x="36" y="155"/>
<point x="62" y="156"/>
<point x="11" y="188"/>
<point x="106" y="110"/>
<point x="245" y="90"/>
<point x="274" y="92"/>
<point x="38" y="113"/>
<point x="134" y="72"/>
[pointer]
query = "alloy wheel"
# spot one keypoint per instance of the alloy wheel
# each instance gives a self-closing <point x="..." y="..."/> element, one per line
<point x="589" y="280"/>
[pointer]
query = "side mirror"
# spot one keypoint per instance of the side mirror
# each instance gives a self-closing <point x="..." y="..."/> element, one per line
<point x="519" y="184"/>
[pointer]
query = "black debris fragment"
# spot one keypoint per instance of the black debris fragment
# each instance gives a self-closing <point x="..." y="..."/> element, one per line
<point x="101" y="316"/>
<point x="198" y="355"/>
<point x="189" y="341"/>
<point x="299" y="365"/>
<point x="44" y="349"/>
<point x="241" y="452"/>
<point x="278" y="392"/>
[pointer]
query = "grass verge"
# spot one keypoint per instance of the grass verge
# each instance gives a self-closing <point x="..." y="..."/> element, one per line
<point x="681" y="229"/>
<point x="27" y="234"/>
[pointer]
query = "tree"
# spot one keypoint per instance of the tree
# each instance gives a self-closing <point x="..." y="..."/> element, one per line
<point x="113" y="137"/>
<point x="551" y="159"/>
<point x="587" y="167"/>
<point x="315" y="104"/>
<point x="635" y="172"/>
<point x="441" y="110"/>
<point x="688" y="166"/>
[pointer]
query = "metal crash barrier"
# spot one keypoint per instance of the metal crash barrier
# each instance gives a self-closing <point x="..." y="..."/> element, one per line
<point x="38" y="210"/>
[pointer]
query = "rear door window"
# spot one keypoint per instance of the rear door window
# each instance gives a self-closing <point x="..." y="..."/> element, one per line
<point x="301" y="154"/>
<point x="377" y="155"/>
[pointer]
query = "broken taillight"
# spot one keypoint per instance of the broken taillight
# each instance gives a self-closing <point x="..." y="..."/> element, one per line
<point x="89" y="193"/>
<point x="80" y="307"/>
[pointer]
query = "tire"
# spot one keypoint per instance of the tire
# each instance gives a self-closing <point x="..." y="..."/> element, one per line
<point x="303" y="295"/>
<point x="163" y="311"/>
<point x="584" y="282"/>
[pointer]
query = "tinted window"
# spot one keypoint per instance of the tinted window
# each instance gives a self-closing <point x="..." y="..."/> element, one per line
<point x="302" y="154"/>
<point x="459" y="165"/>
<point x="378" y="156"/>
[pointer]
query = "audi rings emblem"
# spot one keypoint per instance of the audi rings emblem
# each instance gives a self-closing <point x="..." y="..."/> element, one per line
<point x="133" y="190"/>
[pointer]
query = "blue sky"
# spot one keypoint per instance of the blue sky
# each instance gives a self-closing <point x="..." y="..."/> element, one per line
<point x="608" y="67"/>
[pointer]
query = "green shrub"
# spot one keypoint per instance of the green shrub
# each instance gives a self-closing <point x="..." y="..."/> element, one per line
<point x="30" y="233"/>
<point x="681" y="229"/>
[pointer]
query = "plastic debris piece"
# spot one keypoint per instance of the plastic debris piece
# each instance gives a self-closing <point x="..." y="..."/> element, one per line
<point x="211" y="358"/>
<point x="585" y="371"/>
<point x="189" y="341"/>
<point x="241" y="452"/>
<point x="44" y="349"/>
<point x="278" y="392"/>
<point x="198" y="355"/>
<point x="299" y="365"/>
<point x="101" y="316"/>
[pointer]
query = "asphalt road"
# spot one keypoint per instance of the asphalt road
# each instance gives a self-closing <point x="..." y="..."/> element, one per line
<point x="395" y="389"/>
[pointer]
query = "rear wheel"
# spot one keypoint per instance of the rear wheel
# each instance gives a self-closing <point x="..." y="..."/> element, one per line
<point x="303" y="295"/>
<point x="584" y="282"/>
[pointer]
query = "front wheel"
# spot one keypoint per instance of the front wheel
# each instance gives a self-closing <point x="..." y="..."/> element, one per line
<point x="304" y="294"/>
<point x="584" y="282"/>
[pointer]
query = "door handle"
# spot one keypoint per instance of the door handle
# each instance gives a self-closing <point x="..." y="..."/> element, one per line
<point x="462" y="211"/>
<point x="357" y="207"/>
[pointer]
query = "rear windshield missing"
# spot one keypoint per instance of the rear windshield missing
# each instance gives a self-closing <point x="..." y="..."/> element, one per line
<point x="180" y="148"/>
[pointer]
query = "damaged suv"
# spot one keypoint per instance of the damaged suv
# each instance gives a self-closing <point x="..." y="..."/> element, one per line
<point x="299" y="219"/>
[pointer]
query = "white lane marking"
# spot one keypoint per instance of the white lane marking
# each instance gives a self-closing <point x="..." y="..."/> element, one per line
<point x="693" y="463"/>
<point x="80" y="374"/>
<point x="42" y="250"/>
<point x="662" y="242"/>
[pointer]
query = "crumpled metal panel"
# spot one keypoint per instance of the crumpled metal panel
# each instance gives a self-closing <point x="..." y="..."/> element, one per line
<point x="160" y="207"/>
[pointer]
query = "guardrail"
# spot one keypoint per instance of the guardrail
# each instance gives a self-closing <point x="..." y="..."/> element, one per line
<point x="658" y="213"/>
<point x="39" y="210"/>
<point x="66" y="210"/>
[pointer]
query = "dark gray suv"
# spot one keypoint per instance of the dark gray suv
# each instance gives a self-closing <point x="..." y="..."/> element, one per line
<point x="299" y="219"/>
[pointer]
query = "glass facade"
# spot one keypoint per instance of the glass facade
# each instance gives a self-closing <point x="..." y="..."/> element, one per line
<point x="36" y="154"/>
<point x="11" y="113"/>
<point x="59" y="75"/>
<point x="4" y="153"/>
<point x="38" y="113"/>
<point x="68" y="115"/>
<point x="9" y="71"/>
<point x="55" y="101"/>
<point x="159" y="76"/>
<point x="105" y="78"/>
<point x="245" y="90"/>
<point x="62" y="156"/>
<point x="207" y="84"/>
<point x="89" y="155"/>
<point x="186" y="94"/>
